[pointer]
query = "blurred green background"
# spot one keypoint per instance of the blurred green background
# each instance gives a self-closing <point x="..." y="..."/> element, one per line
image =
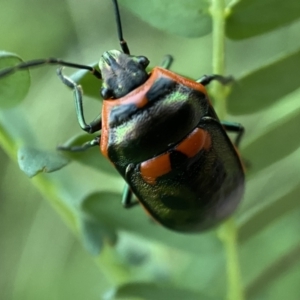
<point x="39" y="257"/>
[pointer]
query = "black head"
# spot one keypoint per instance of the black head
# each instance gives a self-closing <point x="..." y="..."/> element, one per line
<point x="121" y="73"/>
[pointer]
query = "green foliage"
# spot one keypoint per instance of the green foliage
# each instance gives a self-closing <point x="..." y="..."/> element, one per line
<point x="149" y="291"/>
<point x="249" y="18"/>
<point x="189" y="19"/>
<point x="91" y="89"/>
<point x="15" y="89"/>
<point x="33" y="161"/>
<point x="255" y="99"/>
<point x="139" y="258"/>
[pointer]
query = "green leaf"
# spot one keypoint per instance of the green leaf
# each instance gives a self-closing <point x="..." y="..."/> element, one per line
<point x="254" y="17"/>
<point x="281" y="136"/>
<point x="106" y="208"/>
<point x="276" y="244"/>
<point x="91" y="85"/>
<point x="93" y="235"/>
<point x="269" y="186"/>
<point x="14" y="87"/>
<point x="189" y="18"/>
<point x="91" y="157"/>
<point x="33" y="161"/>
<point x="150" y="291"/>
<point x="265" y="86"/>
<point x="282" y="276"/>
<point x="267" y="213"/>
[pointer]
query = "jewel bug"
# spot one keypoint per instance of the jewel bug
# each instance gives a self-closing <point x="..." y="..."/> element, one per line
<point x="161" y="133"/>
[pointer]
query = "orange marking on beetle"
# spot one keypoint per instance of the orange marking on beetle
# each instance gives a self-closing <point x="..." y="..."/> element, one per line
<point x="141" y="103"/>
<point x="105" y="130"/>
<point x="197" y="140"/>
<point x="155" y="167"/>
<point x="207" y="144"/>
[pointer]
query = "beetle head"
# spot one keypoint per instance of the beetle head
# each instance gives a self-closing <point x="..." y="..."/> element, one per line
<point x="121" y="73"/>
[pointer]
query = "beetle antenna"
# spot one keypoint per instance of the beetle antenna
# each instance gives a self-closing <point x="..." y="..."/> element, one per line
<point x="123" y="43"/>
<point x="49" y="61"/>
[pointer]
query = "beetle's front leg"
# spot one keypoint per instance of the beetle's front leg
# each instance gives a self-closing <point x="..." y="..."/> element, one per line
<point x="83" y="147"/>
<point x="95" y="125"/>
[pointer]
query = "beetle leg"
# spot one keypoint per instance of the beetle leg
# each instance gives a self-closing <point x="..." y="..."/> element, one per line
<point x="206" y="79"/>
<point x="83" y="147"/>
<point x="127" y="192"/>
<point x="127" y="198"/>
<point x="95" y="125"/>
<point x="236" y="128"/>
<point x="167" y="62"/>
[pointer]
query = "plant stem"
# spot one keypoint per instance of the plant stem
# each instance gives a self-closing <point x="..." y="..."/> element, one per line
<point x="228" y="231"/>
<point x="228" y="235"/>
<point x="218" y="61"/>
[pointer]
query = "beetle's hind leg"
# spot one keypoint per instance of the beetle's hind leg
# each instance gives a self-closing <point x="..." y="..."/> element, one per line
<point x="228" y="126"/>
<point x="235" y="128"/>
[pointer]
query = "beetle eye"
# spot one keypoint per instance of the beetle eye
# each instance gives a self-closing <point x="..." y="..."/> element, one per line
<point x="143" y="61"/>
<point x="106" y="93"/>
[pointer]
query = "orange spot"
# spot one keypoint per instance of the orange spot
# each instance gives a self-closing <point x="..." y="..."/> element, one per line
<point x="196" y="141"/>
<point x="155" y="167"/>
<point x="207" y="143"/>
